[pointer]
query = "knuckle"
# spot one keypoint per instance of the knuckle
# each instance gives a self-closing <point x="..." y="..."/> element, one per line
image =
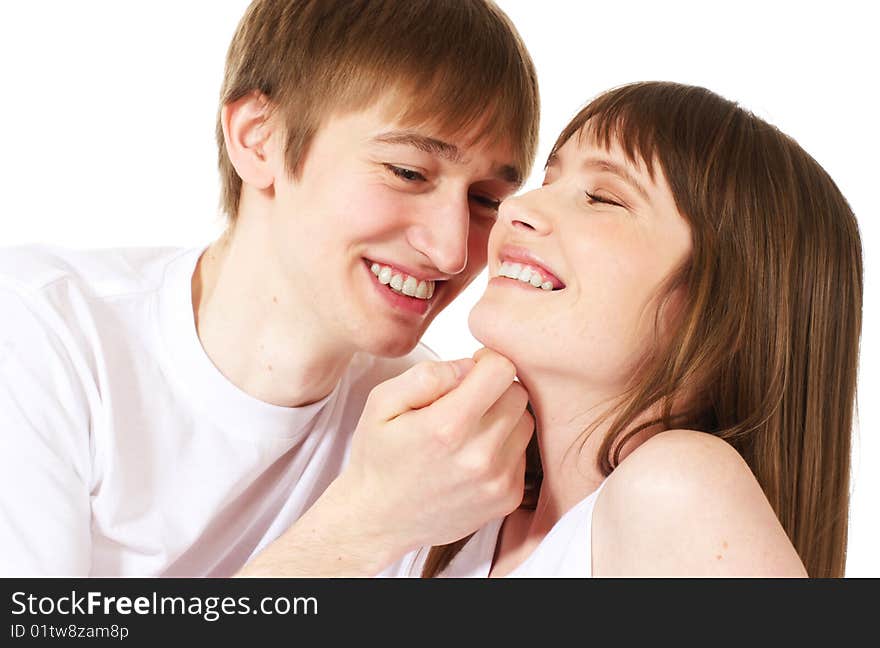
<point x="506" y="491"/>
<point x="496" y="490"/>
<point x="478" y="468"/>
<point x="447" y="434"/>
<point x="513" y="501"/>
<point x="426" y="372"/>
<point x="375" y="397"/>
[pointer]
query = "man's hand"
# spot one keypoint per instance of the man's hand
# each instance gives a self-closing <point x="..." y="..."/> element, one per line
<point x="439" y="451"/>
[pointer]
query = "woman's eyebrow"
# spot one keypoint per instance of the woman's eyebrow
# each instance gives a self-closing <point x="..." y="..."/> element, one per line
<point x="620" y="171"/>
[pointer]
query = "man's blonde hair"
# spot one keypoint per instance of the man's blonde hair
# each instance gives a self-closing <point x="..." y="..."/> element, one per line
<point x="459" y="65"/>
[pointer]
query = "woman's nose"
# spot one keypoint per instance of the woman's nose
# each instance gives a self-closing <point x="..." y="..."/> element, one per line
<point x="525" y="213"/>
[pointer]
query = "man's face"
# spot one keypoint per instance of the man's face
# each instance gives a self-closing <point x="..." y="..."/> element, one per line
<point x="385" y="226"/>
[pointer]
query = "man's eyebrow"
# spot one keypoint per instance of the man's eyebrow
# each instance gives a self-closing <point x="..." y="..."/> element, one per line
<point x="509" y="174"/>
<point x="427" y="144"/>
<point x="506" y="172"/>
<point x="620" y="171"/>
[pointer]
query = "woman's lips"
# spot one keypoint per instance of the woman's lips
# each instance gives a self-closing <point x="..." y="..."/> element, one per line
<point x="517" y="254"/>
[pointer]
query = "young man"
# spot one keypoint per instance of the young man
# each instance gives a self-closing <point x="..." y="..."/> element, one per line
<point x="206" y="412"/>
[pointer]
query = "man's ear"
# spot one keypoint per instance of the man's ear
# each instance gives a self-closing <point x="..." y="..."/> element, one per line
<point x="247" y="130"/>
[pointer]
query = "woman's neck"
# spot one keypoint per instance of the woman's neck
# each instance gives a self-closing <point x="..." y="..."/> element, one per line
<point x="572" y="422"/>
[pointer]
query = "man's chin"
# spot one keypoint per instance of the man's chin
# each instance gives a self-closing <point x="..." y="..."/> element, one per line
<point x="393" y="347"/>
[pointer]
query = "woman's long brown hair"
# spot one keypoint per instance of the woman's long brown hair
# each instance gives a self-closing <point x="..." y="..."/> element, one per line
<point x="769" y="332"/>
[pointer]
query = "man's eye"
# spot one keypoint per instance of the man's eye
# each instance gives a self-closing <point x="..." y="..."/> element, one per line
<point x="596" y="198"/>
<point x="485" y="201"/>
<point x="405" y="174"/>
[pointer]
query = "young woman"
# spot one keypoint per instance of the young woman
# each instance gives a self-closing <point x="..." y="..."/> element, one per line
<point x="682" y="301"/>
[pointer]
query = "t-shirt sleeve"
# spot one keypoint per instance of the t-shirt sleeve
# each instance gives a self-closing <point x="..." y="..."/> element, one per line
<point x="45" y="455"/>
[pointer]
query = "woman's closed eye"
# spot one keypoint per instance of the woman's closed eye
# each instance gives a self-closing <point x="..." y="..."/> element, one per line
<point x="593" y="198"/>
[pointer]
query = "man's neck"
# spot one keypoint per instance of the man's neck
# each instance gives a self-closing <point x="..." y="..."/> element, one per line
<point x="256" y="331"/>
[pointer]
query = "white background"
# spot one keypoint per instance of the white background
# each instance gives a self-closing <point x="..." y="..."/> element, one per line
<point x="108" y="111"/>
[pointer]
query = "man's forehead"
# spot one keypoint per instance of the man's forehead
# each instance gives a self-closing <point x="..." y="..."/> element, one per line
<point x="453" y="136"/>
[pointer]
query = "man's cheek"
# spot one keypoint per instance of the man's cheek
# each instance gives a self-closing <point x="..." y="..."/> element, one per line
<point x="478" y="242"/>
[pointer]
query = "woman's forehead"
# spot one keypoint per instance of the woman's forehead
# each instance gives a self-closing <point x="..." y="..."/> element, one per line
<point x="585" y="149"/>
<point x="586" y="152"/>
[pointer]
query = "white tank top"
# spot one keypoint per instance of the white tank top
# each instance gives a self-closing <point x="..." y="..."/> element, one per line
<point x="565" y="552"/>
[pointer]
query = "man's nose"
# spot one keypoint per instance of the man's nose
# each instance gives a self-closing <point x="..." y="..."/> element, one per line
<point x="441" y="234"/>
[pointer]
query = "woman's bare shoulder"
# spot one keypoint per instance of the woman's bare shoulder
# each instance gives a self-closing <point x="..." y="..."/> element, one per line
<point x="685" y="503"/>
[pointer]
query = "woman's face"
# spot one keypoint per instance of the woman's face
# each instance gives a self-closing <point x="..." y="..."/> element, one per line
<point x="606" y="236"/>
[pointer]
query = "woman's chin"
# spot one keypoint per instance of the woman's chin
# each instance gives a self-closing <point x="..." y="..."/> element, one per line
<point x="535" y="352"/>
<point x="512" y="339"/>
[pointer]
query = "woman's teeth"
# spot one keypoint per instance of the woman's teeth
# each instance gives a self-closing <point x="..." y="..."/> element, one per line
<point x="403" y="284"/>
<point x="524" y="273"/>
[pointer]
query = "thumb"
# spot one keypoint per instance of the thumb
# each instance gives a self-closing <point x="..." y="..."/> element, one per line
<point x="417" y="387"/>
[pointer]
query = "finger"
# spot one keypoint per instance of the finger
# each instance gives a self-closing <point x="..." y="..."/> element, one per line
<point x="417" y="387"/>
<point x="489" y="379"/>
<point x="514" y="444"/>
<point x="482" y="353"/>
<point x="502" y="428"/>
<point x="520" y="473"/>
<point x="504" y="413"/>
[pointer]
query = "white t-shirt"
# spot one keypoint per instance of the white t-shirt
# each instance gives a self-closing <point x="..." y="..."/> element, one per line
<point x="123" y="450"/>
<point x="565" y="552"/>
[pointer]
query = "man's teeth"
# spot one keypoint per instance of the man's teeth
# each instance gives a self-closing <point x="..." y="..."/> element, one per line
<point x="403" y="284"/>
<point x="526" y="274"/>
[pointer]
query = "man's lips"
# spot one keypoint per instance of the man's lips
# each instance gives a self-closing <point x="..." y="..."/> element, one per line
<point x="419" y="275"/>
